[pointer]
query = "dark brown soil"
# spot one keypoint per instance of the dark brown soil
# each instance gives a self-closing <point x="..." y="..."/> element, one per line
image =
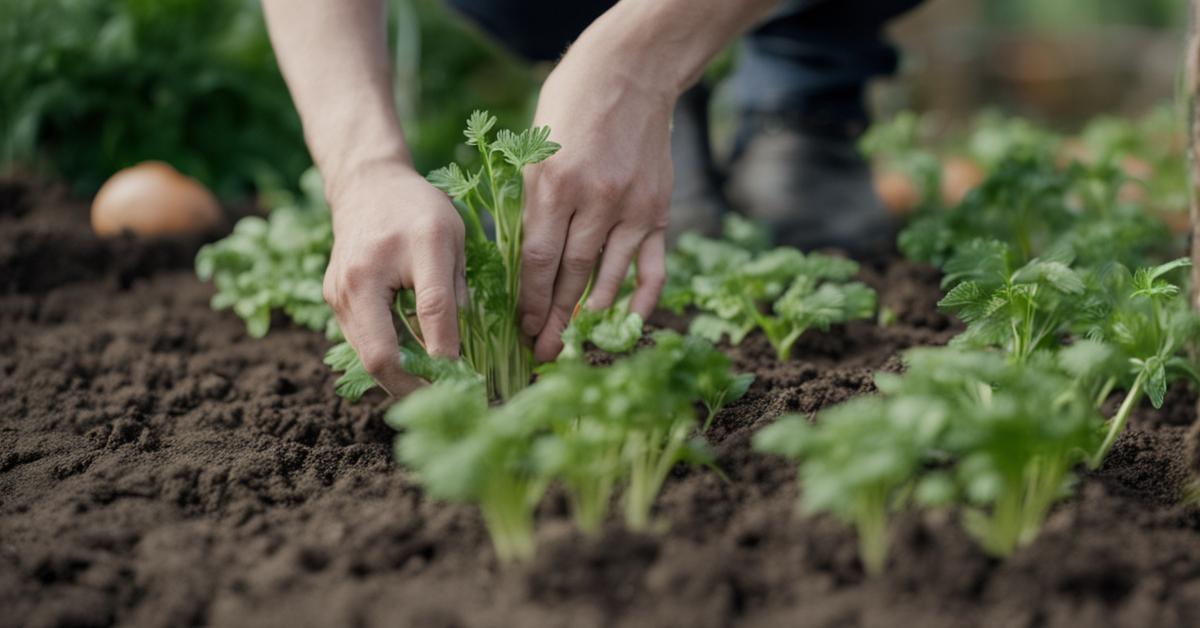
<point x="160" y="468"/>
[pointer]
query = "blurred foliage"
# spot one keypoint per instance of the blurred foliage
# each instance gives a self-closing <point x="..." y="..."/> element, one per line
<point x="1071" y="14"/>
<point x="91" y="86"/>
<point x="460" y="70"/>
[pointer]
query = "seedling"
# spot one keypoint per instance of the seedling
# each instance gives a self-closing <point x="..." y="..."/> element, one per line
<point x="487" y="325"/>
<point x="966" y="428"/>
<point x="593" y="429"/>
<point x="781" y="291"/>
<point x="275" y="264"/>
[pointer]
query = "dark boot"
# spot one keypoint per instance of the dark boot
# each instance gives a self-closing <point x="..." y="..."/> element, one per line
<point x="810" y="186"/>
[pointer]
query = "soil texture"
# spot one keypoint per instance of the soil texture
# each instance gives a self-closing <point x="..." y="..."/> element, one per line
<point x="158" y="467"/>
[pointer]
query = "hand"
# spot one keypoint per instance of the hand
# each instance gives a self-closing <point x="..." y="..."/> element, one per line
<point x="394" y="230"/>
<point x="601" y="201"/>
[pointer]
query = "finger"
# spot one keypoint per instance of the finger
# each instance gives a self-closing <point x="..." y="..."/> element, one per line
<point x="578" y="260"/>
<point x="618" y="254"/>
<point x="651" y="273"/>
<point x="545" y="232"/>
<point x="367" y="325"/>
<point x="462" y="294"/>
<point x="434" y="285"/>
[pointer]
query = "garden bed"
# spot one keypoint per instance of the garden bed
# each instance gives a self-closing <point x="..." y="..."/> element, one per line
<point x="160" y="468"/>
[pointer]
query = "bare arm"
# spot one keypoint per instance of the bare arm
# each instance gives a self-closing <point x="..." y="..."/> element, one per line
<point x="601" y="203"/>
<point x="392" y="230"/>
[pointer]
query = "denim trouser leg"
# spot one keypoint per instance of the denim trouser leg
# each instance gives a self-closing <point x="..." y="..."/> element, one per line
<point x="812" y="59"/>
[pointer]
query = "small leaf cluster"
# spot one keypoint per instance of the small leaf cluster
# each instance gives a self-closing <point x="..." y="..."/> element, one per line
<point x="488" y="326"/>
<point x="1030" y="203"/>
<point x="276" y="263"/>
<point x="594" y="430"/>
<point x="781" y="291"/>
<point x="970" y="428"/>
<point x="1047" y="305"/>
<point x="614" y="330"/>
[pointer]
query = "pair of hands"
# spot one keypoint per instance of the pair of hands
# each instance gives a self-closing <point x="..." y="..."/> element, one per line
<point x="599" y="204"/>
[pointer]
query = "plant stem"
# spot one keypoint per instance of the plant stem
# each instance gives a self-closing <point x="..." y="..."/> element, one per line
<point x="653" y="456"/>
<point x="1117" y="424"/>
<point x="871" y="522"/>
<point x="509" y="519"/>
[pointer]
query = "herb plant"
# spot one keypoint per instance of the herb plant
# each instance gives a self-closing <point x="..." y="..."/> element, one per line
<point x="1037" y="208"/>
<point x="1146" y="320"/>
<point x="958" y="427"/>
<point x="461" y="450"/>
<point x="614" y="330"/>
<point x="275" y="263"/>
<point x="1017" y="309"/>
<point x="488" y="327"/>
<point x="858" y="462"/>
<point x="1015" y="433"/>
<point x="595" y="430"/>
<point x="781" y="291"/>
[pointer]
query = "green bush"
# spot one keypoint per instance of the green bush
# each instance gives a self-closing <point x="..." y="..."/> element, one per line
<point x="90" y="86"/>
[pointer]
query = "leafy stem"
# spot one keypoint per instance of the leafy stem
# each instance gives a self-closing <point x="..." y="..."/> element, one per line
<point x="1116" y="425"/>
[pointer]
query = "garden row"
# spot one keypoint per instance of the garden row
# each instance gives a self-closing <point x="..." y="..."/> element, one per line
<point x="1051" y="265"/>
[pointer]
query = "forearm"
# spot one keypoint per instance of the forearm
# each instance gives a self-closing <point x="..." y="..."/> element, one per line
<point x="665" y="44"/>
<point x="334" y="58"/>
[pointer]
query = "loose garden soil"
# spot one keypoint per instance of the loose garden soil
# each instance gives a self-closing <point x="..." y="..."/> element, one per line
<point x="158" y="467"/>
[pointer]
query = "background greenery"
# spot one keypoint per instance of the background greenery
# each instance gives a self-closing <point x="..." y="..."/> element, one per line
<point x="90" y="86"/>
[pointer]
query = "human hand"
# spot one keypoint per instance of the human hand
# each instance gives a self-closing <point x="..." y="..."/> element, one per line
<point x="602" y="201"/>
<point x="394" y="230"/>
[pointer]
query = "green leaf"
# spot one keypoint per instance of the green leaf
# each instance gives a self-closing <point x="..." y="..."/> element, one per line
<point x="478" y="126"/>
<point x="525" y="148"/>
<point x="1156" y="381"/>
<point x="1055" y="274"/>
<point x="618" y="334"/>
<point x="1089" y="358"/>
<point x="714" y="329"/>
<point x="453" y="181"/>
<point x="613" y="330"/>
<point x="1163" y="269"/>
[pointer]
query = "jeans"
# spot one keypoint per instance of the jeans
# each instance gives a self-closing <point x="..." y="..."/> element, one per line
<point x="809" y="60"/>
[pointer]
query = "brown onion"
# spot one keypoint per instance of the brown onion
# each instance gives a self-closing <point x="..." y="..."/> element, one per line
<point x="152" y="199"/>
<point x="896" y="191"/>
<point x="959" y="176"/>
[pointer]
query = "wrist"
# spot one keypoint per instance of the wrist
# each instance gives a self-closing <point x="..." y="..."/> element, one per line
<point x="628" y="49"/>
<point x="345" y="175"/>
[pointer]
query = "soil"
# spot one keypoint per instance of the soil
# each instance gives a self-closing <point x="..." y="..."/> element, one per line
<point x="160" y="468"/>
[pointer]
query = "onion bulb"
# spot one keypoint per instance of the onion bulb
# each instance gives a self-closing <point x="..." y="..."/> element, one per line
<point x="959" y="176"/>
<point x="896" y="191"/>
<point x="153" y="199"/>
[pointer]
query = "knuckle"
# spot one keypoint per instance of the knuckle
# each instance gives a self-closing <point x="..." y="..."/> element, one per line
<point x="577" y="263"/>
<point x="354" y="279"/>
<point x="551" y="177"/>
<point x="538" y="257"/>
<point x="436" y="229"/>
<point x="434" y="302"/>
<point x="607" y="188"/>
<point x="375" y="360"/>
